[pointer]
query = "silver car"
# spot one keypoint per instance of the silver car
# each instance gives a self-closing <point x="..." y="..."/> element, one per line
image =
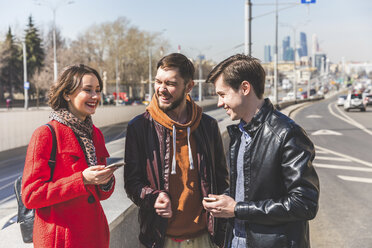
<point x="354" y="101"/>
<point x="341" y="100"/>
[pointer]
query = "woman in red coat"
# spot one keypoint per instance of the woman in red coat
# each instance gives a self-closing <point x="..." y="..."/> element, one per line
<point x="68" y="209"/>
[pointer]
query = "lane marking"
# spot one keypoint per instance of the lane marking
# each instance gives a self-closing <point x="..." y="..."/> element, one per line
<point x="333" y="159"/>
<point x="326" y="132"/>
<point x="314" y="116"/>
<point x="344" y="156"/>
<point x="321" y="152"/>
<point x="6" y="199"/>
<point x="6" y="185"/>
<point x="115" y="141"/>
<point x="348" y="119"/>
<point x="9" y="177"/>
<point x="342" y="167"/>
<point x="356" y="179"/>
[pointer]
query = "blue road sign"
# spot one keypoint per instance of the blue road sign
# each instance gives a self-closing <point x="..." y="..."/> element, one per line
<point x="308" y="1"/>
<point x="27" y="85"/>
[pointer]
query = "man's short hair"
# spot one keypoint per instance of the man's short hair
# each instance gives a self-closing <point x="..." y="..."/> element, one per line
<point x="238" y="68"/>
<point x="179" y="61"/>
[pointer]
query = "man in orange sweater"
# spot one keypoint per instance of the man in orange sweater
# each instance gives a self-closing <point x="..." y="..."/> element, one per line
<point x="174" y="157"/>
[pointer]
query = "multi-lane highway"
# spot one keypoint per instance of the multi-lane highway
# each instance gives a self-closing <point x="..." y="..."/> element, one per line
<point x="343" y="161"/>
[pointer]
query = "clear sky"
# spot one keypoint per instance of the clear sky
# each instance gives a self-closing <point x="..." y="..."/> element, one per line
<point x="212" y="27"/>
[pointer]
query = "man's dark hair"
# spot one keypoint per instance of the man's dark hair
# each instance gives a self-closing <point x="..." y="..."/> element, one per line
<point x="239" y="68"/>
<point x="68" y="81"/>
<point x="179" y="61"/>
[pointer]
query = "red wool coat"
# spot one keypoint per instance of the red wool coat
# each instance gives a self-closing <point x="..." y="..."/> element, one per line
<point x="68" y="213"/>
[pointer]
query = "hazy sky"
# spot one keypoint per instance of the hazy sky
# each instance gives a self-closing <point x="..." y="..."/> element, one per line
<point x="212" y="27"/>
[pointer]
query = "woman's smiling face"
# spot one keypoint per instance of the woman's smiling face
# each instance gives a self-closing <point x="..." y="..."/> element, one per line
<point x="85" y="99"/>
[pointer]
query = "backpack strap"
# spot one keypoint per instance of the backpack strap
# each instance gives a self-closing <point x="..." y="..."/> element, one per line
<point x="52" y="159"/>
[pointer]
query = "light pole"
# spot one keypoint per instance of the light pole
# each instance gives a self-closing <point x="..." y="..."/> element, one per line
<point x="150" y="75"/>
<point x="26" y="84"/>
<point x="54" y="9"/>
<point x="117" y="80"/>
<point x="248" y="28"/>
<point x="276" y="55"/>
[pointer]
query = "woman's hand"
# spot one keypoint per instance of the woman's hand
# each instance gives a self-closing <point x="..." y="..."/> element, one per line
<point x="97" y="174"/>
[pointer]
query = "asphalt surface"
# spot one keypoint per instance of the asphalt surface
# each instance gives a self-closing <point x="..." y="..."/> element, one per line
<point x="344" y="164"/>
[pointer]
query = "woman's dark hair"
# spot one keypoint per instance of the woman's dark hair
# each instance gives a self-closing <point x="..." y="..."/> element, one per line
<point x="68" y="81"/>
<point x="179" y="61"/>
<point x="238" y="68"/>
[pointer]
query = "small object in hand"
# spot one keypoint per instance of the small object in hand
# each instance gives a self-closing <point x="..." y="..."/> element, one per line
<point x="210" y="199"/>
<point x="116" y="165"/>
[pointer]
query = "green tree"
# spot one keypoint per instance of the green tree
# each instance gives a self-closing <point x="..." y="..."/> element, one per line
<point x="10" y="67"/>
<point x="35" y="54"/>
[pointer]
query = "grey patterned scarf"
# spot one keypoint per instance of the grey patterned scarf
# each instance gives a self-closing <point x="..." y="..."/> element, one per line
<point x="82" y="129"/>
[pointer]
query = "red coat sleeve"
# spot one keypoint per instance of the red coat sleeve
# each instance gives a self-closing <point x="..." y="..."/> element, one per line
<point x="36" y="192"/>
<point x="102" y="154"/>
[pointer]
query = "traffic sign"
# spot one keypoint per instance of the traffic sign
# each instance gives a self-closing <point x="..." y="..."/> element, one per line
<point x="308" y="1"/>
<point x="27" y="85"/>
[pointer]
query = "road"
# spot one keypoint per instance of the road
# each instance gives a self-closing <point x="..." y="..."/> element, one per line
<point x="344" y="164"/>
<point x="12" y="162"/>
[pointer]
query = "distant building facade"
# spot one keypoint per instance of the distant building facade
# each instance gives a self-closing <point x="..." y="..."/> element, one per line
<point x="318" y="61"/>
<point x="267" y="54"/>
<point x="302" y="51"/>
<point x="288" y="52"/>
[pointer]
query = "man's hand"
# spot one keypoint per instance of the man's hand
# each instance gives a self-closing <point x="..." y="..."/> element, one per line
<point x="223" y="207"/>
<point x="163" y="205"/>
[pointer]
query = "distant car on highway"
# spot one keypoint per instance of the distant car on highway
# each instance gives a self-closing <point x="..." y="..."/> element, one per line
<point x="341" y="100"/>
<point x="368" y="100"/>
<point x="354" y="101"/>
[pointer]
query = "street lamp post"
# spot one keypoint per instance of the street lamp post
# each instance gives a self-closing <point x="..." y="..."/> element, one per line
<point x="25" y="74"/>
<point x="276" y="55"/>
<point x="117" y="80"/>
<point x="248" y="28"/>
<point x="150" y="75"/>
<point x="54" y="9"/>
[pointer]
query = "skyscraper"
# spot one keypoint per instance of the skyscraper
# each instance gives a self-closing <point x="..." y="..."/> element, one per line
<point x="267" y="54"/>
<point x="302" y="52"/>
<point x="288" y="52"/>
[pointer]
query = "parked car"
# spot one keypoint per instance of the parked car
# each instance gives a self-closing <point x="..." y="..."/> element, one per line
<point x="354" y="101"/>
<point x="368" y="100"/>
<point x="341" y="99"/>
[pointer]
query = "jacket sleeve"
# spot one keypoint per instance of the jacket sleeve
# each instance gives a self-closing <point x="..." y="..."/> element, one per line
<point x="135" y="180"/>
<point x="301" y="183"/>
<point x="36" y="192"/>
<point x="222" y="173"/>
<point x="104" y="191"/>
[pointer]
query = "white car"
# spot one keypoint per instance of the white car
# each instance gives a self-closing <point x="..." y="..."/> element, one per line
<point x="354" y="101"/>
<point x="341" y="100"/>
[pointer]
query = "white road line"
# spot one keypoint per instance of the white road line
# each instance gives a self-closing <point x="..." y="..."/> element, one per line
<point x="6" y="199"/>
<point x="6" y="185"/>
<point x="342" y="167"/>
<point x="332" y="159"/>
<point x="321" y="152"/>
<point x="356" y="179"/>
<point x="117" y="153"/>
<point x="12" y="176"/>
<point x="121" y="140"/>
<point x="348" y="119"/>
<point x="345" y="156"/>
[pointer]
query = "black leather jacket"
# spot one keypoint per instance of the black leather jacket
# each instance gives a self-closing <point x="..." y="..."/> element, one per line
<point x="147" y="169"/>
<point x="281" y="186"/>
